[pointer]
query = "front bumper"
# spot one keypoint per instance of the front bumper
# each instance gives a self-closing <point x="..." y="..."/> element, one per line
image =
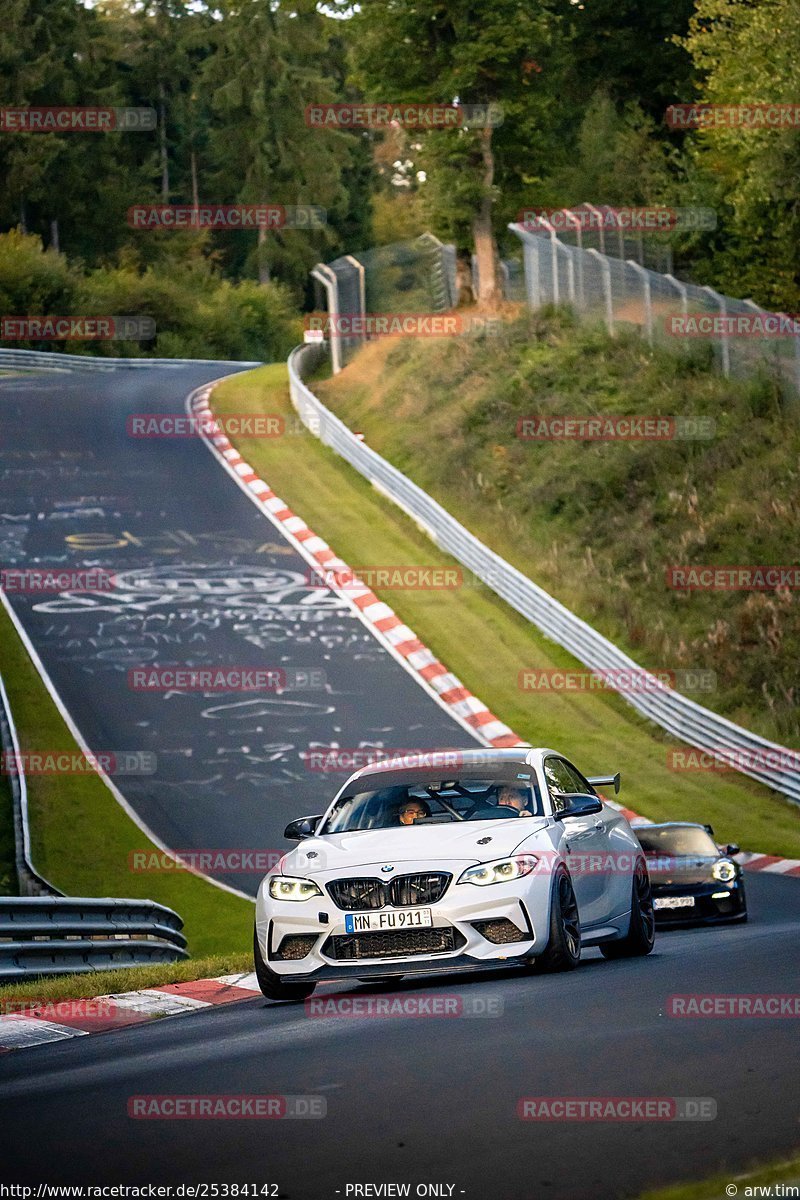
<point x="706" y="910"/>
<point x="523" y="903"/>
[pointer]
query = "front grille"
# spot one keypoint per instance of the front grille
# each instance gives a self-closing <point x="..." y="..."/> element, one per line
<point x="500" y="931"/>
<point x="405" y="891"/>
<point x="294" y="946"/>
<point x="392" y="943"/>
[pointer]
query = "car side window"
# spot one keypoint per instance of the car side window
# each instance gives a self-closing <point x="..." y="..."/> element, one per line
<point x="558" y="780"/>
<point x="577" y="781"/>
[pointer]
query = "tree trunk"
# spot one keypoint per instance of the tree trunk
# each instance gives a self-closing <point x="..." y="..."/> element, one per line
<point x="23" y="216"/>
<point x="193" y="166"/>
<point x="54" y="234"/>
<point x="162" y="128"/>
<point x="489" y="294"/>
<point x="263" y="265"/>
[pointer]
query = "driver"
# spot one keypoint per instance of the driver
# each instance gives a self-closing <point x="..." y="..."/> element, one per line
<point x="411" y="811"/>
<point x="516" y="798"/>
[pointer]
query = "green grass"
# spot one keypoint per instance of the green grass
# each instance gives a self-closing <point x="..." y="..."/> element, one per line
<point x="597" y="524"/>
<point x="126" y="979"/>
<point x="714" y="1189"/>
<point x="486" y="644"/>
<point x="81" y="836"/>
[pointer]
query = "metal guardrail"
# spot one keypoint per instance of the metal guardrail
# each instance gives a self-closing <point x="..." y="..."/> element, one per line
<point x="769" y="763"/>
<point x="59" y="935"/>
<point x="47" y="933"/>
<point x="30" y="881"/>
<point x="50" y="360"/>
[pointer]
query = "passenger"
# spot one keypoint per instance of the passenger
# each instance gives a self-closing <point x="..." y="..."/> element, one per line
<point x="411" y="811"/>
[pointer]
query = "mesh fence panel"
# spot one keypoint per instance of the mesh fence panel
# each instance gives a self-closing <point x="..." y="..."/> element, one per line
<point x="631" y="285"/>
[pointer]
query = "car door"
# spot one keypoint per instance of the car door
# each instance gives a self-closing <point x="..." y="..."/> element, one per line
<point x="586" y="844"/>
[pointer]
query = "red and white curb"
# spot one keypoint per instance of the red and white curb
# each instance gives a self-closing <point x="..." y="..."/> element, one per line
<point x="421" y="662"/>
<point x="58" y="1020"/>
<point x="388" y="627"/>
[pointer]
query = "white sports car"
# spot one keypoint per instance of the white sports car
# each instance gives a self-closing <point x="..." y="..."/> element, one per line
<point x="449" y="861"/>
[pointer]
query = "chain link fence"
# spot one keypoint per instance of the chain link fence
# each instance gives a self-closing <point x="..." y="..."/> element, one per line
<point x="413" y="276"/>
<point x="601" y="275"/>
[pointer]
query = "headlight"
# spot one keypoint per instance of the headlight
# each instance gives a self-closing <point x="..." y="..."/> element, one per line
<point x="500" y="871"/>
<point x="287" y="887"/>
<point x="724" y="871"/>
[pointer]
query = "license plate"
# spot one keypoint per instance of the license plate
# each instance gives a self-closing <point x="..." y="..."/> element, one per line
<point x="674" y="902"/>
<point x="397" y="918"/>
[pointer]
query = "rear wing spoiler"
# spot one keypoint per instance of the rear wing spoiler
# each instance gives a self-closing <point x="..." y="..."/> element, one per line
<point x="605" y="781"/>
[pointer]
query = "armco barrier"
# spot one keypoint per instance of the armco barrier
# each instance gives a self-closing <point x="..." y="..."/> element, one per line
<point x="47" y="933"/>
<point x="51" y="361"/>
<point x="30" y="881"/>
<point x="694" y="725"/>
<point x="59" y="935"/>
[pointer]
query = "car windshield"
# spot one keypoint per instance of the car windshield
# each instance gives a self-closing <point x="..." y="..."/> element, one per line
<point x="677" y="841"/>
<point x="434" y="802"/>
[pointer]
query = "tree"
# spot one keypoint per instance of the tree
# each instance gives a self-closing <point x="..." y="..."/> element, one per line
<point x="747" y="54"/>
<point x="441" y="51"/>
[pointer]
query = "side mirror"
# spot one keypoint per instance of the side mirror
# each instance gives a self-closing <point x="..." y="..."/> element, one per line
<point x="575" y="804"/>
<point x="303" y="827"/>
<point x="732" y="849"/>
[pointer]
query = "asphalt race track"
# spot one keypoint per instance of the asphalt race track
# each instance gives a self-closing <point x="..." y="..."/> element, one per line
<point x="203" y="578"/>
<point x="426" y="1100"/>
<point x="410" y="1100"/>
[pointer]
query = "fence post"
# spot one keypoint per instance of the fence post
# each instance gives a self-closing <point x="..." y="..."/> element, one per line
<point x="644" y="275"/>
<point x="725" y="349"/>
<point x="600" y="231"/>
<point x="606" y="270"/>
<point x="578" y="256"/>
<point x="330" y="284"/>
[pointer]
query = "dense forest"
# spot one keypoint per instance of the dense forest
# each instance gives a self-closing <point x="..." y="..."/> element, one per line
<point x="583" y="89"/>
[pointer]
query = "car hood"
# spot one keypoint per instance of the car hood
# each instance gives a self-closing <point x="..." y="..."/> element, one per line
<point x="434" y="844"/>
<point x="680" y="869"/>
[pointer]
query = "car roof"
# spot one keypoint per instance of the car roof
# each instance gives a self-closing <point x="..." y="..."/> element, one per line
<point x="454" y="757"/>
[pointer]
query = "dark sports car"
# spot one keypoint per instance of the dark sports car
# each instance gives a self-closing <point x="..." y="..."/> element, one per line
<point x="694" y="880"/>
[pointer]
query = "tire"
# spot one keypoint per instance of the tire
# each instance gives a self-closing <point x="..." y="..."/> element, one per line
<point x="271" y="984"/>
<point x="563" y="950"/>
<point x="641" y="934"/>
